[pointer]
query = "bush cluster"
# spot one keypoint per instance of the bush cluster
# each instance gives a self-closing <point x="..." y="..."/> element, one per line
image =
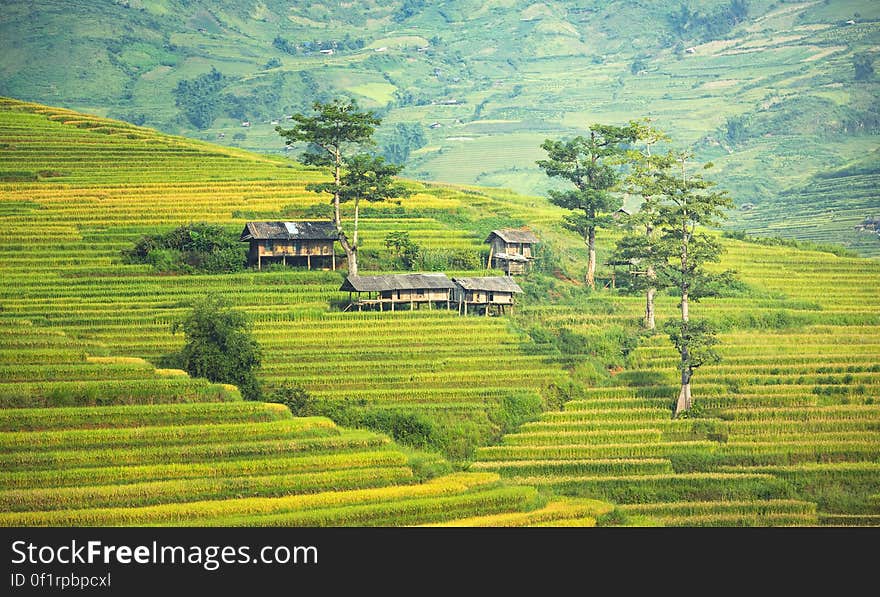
<point x="193" y="248"/>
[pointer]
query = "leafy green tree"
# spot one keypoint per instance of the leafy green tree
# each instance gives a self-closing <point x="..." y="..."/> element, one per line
<point x="691" y="24"/>
<point x="406" y="138"/>
<point x="294" y="397"/>
<point x="589" y="164"/>
<point x="638" y="64"/>
<point x="200" y="99"/>
<point x="337" y="130"/>
<point x="219" y="346"/>
<point x="365" y="178"/>
<point x="403" y="248"/>
<point x="409" y="8"/>
<point x="640" y="247"/>
<point x="689" y="204"/>
<point x="737" y="129"/>
<point x="197" y="247"/>
<point x="284" y="45"/>
<point x="694" y="341"/>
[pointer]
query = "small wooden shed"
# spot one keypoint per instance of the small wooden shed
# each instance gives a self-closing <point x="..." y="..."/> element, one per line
<point x="398" y="291"/>
<point x="485" y="294"/>
<point x="510" y="250"/>
<point x="294" y="243"/>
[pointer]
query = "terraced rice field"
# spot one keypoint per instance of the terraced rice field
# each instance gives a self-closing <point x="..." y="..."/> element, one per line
<point x="126" y="443"/>
<point x="787" y="432"/>
<point x="221" y="464"/>
<point x="788" y="425"/>
<point x="829" y="209"/>
<point x="115" y="182"/>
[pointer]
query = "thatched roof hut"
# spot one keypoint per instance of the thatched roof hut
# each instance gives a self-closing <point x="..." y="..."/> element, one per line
<point x="398" y="289"/>
<point x="289" y="231"/>
<point x="489" y="284"/>
<point x="486" y="292"/>
<point x="511" y="250"/>
<point x="397" y="282"/>
<point x="512" y="235"/>
<point x="299" y="243"/>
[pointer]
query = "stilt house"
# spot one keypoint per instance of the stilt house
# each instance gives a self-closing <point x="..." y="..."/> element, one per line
<point x="492" y="293"/>
<point x="307" y="244"/>
<point x="398" y="291"/>
<point x="511" y="251"/>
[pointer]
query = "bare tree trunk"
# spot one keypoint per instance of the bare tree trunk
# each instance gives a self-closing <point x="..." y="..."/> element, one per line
<point x="353" y="250"/>
<point x="684" y="280"/>
<point x="337" y="177"/>
<point x="350" y="254"/>
<point x="350" y="250"/>
<point x="651" y="275"/>
<point x="591" y="263"/>
<point x="684" y="396"/>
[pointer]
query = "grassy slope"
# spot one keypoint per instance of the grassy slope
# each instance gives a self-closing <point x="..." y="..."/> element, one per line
<point x="116" y="422"/>
<point x="815" y="327"/>
<point x="521" y="71"/>
<point x="790" y="413"/>
<point x="830" y="206"/>
<point x="94" y="210"/>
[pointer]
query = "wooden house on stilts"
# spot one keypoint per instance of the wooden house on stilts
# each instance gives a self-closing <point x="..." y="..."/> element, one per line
<point x="493" y="293"/>
<point x="511" y="251"/>
<point x="390" y="292"/>
<point x="307" y="244"/>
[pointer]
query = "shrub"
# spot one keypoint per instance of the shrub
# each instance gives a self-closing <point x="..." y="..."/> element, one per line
<point x="219" y="346"/>
<point x="294" y="397"/>
<point x="615" y="518"/>
<point x="547" y="259"/>
<point x="164" y="260"/>
<point x="410" y="428"/>
<point x="516" y="409"/>
<point x="207" y="248"/>
<point x="777" y="241"/>
<point x="403" y="248"/>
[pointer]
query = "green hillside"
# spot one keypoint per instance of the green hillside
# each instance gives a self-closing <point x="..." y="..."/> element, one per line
<point x="767" y="90"/>
<point x="785" y="430"/>
<point x="791" y="412"/>
<point x="832" y="207"/>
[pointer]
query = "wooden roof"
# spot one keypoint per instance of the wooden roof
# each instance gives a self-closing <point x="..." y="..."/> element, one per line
<point x="489" y="283"/>
<point x="289" y="231"/>
<point x="510" y="235"/>
<point x="397" y="282"/>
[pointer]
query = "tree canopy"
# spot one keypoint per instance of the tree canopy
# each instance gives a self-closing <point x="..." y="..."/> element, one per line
<point x="591" y="166"/>
<point x="219" y="345"/>
<point x="336" y="137"/>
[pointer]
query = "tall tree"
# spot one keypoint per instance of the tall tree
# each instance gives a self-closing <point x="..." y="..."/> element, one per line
<point x="337" y="130"/>
<point x="690" y="204"/>
<point x="590" y="165"/>
<point x="640" y="247"/>
<point x="367" y="178"/>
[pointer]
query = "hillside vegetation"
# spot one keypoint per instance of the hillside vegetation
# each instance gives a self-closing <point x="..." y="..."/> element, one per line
<point x="774" y="92"/>
<point x="554" y="413"/>
<point x="833" y="206"/>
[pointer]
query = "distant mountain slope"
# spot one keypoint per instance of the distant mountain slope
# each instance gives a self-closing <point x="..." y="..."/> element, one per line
<point x="767" y="90"/>
<point x="839" y="206"/>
